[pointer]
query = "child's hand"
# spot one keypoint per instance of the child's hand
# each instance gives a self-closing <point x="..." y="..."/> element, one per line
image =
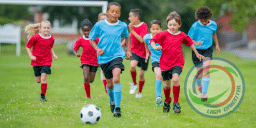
<point x="100" y="52"/>
<point x="158" y="47"/>
<point x="33" y="58"/>
<point x="77" y="55"/>
<point x="130" y="26"/>
<point x="199" y="43"/>
<point x="200" y="57"/>
<point x="217" y="49"/>
<point x="55" y="57"/>
<point x="128" y="55"/>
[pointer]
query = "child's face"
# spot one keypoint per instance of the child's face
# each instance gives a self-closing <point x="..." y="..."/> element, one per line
<point x="103" y="17"/>
<point x="132" y="18"/>
<point x="86" y="31"/>
<point x="204" y="21"/>
<point x="45" y="29"/>
<point x="155" y="28"/>
<point x="173" y="26"/>
<point x="113" y="13"/>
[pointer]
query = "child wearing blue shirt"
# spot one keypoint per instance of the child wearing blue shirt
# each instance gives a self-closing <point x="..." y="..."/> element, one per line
<point x="203" y="32"/>
<point x="110" y="52"/>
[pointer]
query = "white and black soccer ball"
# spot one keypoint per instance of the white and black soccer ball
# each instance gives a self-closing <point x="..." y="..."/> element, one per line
<point x="90" y="114"/>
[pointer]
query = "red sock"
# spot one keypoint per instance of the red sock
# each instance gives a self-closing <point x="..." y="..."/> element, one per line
<point x="133" y="73"/>
<point x="176" y="93"/>
<point x="87" y="89"/>
<point x="105" y="84"/>
<point x="43" y="88"/>
<point x="167" y="94"/>
<point x="141" y="84"/>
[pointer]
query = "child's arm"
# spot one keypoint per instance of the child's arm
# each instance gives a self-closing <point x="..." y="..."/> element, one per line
<point x="153" y="44"/>
<point x="30" y="54"/>
<point x="147" y="52"/>
<point x="53" y="54"/>
<point x="137" y="36"/>
<point x="95" y="46"/>
<point x="123" y="43"/>
<point x="128" y="53"/>
<point x="199" y="56"/>
<point x="77" y="54"/>
<point x="197" y="43"/>
<point x="214" y="36"/>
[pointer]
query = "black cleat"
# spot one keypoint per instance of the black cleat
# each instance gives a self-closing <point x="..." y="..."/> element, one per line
<point x="117" y="112"/>
<point x="166" y="107"/>
<point x="112" y="106"/>
<point x="176" y="107"/>
<point x="42" y="97"/>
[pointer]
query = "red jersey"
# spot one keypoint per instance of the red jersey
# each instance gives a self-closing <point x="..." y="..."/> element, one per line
<point x="171" y="48"/>
<point x="89" y="54"/>
<point x="41" y="49"/>
<point x="136" y="46"/>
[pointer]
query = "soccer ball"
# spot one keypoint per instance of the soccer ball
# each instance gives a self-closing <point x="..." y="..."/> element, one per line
<point x="90" y="114"/>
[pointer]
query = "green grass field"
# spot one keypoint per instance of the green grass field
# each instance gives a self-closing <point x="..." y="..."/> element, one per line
<point x="20" y="104"/>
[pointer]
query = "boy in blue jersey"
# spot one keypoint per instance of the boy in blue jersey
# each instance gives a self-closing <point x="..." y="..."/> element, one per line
<point x="110" y="52"/>
<point x="203" y="32"/>
<point x="155" y="27"/>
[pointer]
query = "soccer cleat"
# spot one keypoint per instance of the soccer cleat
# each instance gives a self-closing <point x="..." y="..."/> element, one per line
<point x="204" y="97"/>
<point x="158" y="101"/>
<point x="176" y="107"/>
<point x="139" y="95"/>
<point x="166" y="107"/>
<point x="112" y="106"/>
<point x="199" y="88"/>
<point x="133" y="88"/>
<point x="117" y="112"/>
<point x="42" y="97"/>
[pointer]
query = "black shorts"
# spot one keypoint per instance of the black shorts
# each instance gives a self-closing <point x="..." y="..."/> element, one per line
<point x="108" y="67"/>
<point x="204" y="52"/>
<point x="41" y="69"/>
<point x="141" y="61"/>
<point x="167" y="75"/>
<point x="155" y="64"/>
<point x="92" y="68"/>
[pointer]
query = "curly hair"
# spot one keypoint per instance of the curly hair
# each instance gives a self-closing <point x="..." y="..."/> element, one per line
<point x="86" y="22"/>
<point x="203" y="13"/>
<point x="174" y="15"/>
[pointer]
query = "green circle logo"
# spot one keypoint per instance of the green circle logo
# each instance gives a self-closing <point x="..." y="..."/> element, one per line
<point x="225" y="92"/>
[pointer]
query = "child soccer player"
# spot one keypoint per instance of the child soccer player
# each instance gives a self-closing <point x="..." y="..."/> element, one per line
<point x="155" y="27"/>
<point x="110" y="52"/>
<point x="41" y="43"/>
<point x="139" y="50"/>
<point x="88" y="59"/>
<point x="171" y="60"/>
<point x="202" y="32"/>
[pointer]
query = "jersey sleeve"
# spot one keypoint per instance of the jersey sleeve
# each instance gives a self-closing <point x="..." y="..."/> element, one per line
<point x="144" y="31"/>
<point x="77" y="45"/>
<point x="52" y="42"/>
<point x="215" y="28"/>
<point x="187" y="40"/>
<point x="94" y="32"/>
<point x="125" y="32"/>
<point x="158" y="38"/>
<point x="191" y="32"/>
<point x="31" y="42"/>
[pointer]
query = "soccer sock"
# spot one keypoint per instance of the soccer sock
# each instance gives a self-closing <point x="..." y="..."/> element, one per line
<point x="133" y="73"/>
<point x="111" y="94"/>
<point x="43" y="88"/>
<point x="198" y="82"/>
<point x="105" y="84"/>
<point x="158" y="87"/>
<point x="87" y="89"/>
<point x="206" y="82"/>
<point x="141" y="84"/>
<point x="117" y="94"/>
<point x="176" y="93"/>
<point x="167" y="94"/>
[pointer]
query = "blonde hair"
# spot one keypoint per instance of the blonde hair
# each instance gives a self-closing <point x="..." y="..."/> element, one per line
<point x="102" y="14"/>
<point x="33" y="29"/>
<point x="174" y="15"/>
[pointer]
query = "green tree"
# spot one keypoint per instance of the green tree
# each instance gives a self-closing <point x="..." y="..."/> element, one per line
<point x="10" y="13"/>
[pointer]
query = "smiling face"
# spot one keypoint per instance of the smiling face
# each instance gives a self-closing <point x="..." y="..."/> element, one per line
<point x="45" y="28"/>
<point x="113" y="13"/>
<point x="204" y="21"/>
<point x="173" y="26"/>
<point x="154" y="29"/>
<point x="86" y="31"/>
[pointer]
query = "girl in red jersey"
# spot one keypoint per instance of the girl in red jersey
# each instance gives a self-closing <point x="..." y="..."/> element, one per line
<point x="41" y="43"/>
<point x="88" y="58"/>
<point x="171" y="60"/>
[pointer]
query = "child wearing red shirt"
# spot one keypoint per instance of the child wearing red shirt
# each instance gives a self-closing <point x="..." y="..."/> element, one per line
<point x="41" y="43"/>
<point x="88" y="59"/>
<point x="171" y="60"/>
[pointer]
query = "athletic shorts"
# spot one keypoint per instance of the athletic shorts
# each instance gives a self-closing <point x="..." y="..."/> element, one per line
<point x="141" y="61"/>
<point x="92" y="68"/>
<point x="167" y="75"/>
<point x="155" y="64"/>
<point x="108" y="67"/>
<point x="204" y="52"/>
<point x="41" y="69"/>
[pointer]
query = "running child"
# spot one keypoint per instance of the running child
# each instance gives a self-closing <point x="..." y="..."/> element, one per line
<point x="203" y="32"/>
<point x="88" y="58"/>
<point x="41" y="43"/>
<point x="171" y="60"/>
<point x="110" y="52"/>
<point x="155" y="27"/>
<point x="139" y="50"/>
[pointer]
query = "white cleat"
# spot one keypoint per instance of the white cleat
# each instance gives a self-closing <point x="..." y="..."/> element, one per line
<point x="133" y="88"/>
<point x="158" y="101"/>
<point x="138" y="95"/>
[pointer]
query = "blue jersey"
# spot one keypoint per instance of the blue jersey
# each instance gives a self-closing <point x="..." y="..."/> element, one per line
<point x="109" y="35"/>
<point x="155" y="54"/>
<point x="199" y="32"/>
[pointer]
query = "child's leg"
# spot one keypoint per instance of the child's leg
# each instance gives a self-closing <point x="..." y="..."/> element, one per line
<point x="38" y="79"/>
<point x="206" y="79"/>
<point x="86" y="72"/>
<point x="117" y="86"/>
<point x="167" y="90"/>
<point x="176" y="87"/>
<point x="158" y="83"/>
<point x="141" y="79"/>
<point x="110" y="89"/>
<point x="92" y="76"/>
<point x="133" y="64"/>
<point x="44" y="83"/>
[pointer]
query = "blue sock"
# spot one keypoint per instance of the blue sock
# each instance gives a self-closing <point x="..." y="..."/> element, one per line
<point x="117" y="94"/>
<point x="111" y="94"/>
<point x="158" y="87"/>
<point x="206" y="82"/>
<point x="198" y="82"/>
